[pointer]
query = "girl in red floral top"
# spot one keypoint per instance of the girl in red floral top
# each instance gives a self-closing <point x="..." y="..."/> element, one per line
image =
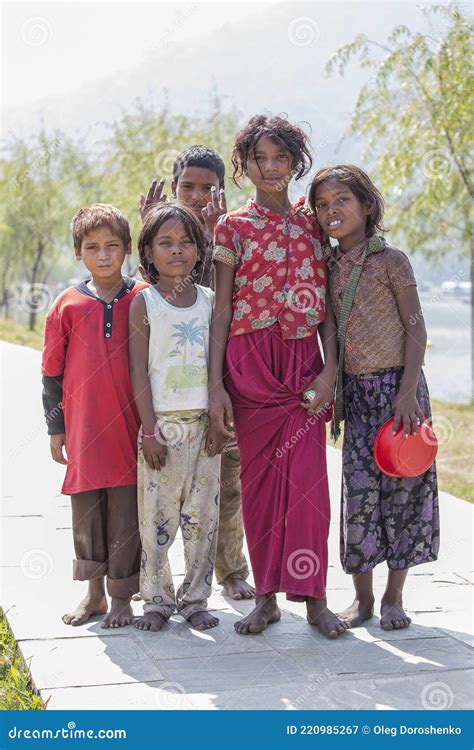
<point x="270" y="304"/>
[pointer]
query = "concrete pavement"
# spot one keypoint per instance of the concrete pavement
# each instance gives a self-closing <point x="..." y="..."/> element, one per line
<point x="290" y="666"/>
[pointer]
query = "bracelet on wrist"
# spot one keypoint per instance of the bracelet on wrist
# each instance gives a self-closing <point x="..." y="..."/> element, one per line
<point x="148" y="435"/>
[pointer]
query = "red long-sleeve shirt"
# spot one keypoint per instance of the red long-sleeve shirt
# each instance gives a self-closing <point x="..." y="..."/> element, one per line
<point x="86" y="342"/>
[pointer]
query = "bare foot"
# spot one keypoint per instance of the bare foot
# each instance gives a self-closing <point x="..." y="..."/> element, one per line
<point x="89" y="607"/>
<point x="327" y="622"/>
<point x="151" y="621"/>
<point x="393" y="616"/>
<point x="266" y="611"/>
<point x="203" y="620"/>
<point x="120" y="614"/>
<point x="237" y="589"/>
<point x="359" y="611"/>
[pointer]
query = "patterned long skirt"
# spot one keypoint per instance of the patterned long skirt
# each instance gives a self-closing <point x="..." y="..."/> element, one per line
<point x="382" y="518"/>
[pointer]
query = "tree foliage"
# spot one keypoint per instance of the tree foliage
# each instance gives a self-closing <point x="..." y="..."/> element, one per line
<point x="413" y="115"/>
<point x="47" y="178"/>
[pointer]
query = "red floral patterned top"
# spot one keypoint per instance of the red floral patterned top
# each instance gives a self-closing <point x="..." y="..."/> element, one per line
<point x="280" y="270"/>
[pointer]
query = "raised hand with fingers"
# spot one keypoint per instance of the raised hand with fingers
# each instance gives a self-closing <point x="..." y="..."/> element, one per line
<point x="216" y="207"/>
<point x="154" y="197"/>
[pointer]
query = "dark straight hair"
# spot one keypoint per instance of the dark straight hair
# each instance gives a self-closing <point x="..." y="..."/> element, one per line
<point x="199" y="156"/>
<point x="358" y="183"/>
<point x="154" y="219"/>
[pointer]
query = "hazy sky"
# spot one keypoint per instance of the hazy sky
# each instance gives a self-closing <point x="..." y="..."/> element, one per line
<point x="51" y="48"/>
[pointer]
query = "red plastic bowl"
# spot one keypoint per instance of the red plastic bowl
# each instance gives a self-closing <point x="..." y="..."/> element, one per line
<point x="397" y="456"/>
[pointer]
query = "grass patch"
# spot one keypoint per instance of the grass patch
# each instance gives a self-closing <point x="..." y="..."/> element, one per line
<point x="16" y="691"/>
<point x="454" y="426"/>
<point x="18" y="333"/>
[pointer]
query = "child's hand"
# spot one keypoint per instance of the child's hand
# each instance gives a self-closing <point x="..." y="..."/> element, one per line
<point x="153" y="197"/>
<point x="407" y="411"/>
<point x="324" y="387"/>
<point x="220" y="412"/>
<point x="154" y="452"/>
<point x="57" y="443"/>
<point x="215" y="441"/>
<point x="215" y="208"/>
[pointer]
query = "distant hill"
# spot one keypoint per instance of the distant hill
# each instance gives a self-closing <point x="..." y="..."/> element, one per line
<point x="272" y="61"/>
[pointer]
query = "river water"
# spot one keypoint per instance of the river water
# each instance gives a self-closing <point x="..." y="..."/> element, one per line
<point x="448" y="359"/>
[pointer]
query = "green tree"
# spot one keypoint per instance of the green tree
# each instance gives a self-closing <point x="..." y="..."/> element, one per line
<point x="414" y="115"/>
<point x="8" y="266"/>
<point x="43" y="181"/>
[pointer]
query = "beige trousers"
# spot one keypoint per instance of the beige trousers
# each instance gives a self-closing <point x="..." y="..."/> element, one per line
<point x="183" y="494"/>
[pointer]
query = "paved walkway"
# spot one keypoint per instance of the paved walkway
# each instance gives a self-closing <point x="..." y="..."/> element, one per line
<point x="290" y="666"/>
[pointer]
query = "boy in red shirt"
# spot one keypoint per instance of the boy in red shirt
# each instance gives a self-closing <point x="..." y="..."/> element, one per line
<point x="89" y="408"/>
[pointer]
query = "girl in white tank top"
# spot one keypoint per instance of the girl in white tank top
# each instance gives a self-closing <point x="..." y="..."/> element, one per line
<point x="178" y="471"/>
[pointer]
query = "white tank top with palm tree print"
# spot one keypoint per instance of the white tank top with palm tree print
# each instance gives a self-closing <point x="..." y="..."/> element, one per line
<point x="178" y="351"/>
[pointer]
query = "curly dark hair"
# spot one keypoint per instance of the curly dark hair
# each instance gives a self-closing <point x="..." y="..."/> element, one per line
<point x="292" y="137"/>
<point x="358" y="183"/>
<point x="154" y="219"/>
<point x="199" y="156"/>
